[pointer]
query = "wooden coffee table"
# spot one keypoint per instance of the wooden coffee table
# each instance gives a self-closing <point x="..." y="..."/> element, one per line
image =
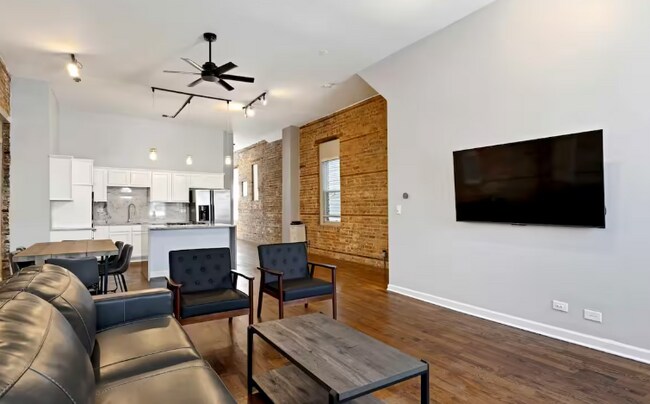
<point x="331" y="362"/>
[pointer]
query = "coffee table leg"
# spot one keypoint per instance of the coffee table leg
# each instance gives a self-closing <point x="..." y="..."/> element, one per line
<point x="424" y="385"/>
<point x="250" y="360"/>
<point x="333" y="397"/>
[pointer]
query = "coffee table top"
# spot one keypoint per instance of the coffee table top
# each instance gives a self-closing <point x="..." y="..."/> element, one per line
<point x="338" y="357"/>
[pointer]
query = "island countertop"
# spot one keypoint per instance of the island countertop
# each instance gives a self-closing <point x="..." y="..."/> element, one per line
<point x="188" y="226"/>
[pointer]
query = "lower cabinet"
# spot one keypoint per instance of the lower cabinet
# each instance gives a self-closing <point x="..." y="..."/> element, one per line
<point x="134" y="235"/>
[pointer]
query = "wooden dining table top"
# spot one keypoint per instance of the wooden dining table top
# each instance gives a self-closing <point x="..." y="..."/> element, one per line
<point x="74" y="248"/>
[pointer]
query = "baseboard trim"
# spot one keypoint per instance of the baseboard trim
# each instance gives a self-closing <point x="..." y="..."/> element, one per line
<point x="600" y="344"/>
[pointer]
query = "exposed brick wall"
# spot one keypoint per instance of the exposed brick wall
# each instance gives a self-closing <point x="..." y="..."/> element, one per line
<point x="5" y="105"/>
<point x="261" y="221"/>
<point x="362" y="235"/>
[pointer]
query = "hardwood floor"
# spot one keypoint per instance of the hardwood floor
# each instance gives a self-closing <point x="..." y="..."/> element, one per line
<point x="472" y="360"/>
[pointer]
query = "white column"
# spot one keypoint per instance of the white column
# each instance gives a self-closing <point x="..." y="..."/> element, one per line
<point x="290" y="178"/>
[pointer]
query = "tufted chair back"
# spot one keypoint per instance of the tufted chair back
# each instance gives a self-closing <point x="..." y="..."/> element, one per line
<point x="288" y="258"/>
<point x="201" y="270"/>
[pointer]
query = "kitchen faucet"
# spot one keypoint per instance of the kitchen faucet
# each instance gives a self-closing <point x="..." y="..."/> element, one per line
<point x="128" y="217"/>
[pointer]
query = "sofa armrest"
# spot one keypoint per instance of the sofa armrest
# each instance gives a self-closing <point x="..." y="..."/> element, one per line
<point x="118" y="308"/>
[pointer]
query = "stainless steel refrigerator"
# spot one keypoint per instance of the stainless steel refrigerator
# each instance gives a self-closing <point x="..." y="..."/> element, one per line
<point x="210" y="206"/>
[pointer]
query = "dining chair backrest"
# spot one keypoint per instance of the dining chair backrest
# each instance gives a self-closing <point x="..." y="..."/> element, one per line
<point x="123" y="260"/>
<point x="86" y="268"/>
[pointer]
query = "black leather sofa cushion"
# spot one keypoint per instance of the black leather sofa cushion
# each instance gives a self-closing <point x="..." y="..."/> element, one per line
<point x="190" y="382"/>
<point x="41" y="358"/>
<point x="212" y="301"/>
<point x="140" y="346"/>
<point x="63" y="290"/>
<point x="301" y="288"/>
<point x="288" y="258"/>
<point x="201" y="269"/>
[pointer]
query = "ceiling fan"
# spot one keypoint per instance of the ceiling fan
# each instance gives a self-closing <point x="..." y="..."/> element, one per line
<point x="210" y="71"/>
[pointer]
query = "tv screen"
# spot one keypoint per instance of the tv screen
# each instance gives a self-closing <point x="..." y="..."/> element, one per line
<point x="551" y="181"/>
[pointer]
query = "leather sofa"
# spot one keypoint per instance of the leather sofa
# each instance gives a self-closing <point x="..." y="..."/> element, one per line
<point x="59" y="344"/>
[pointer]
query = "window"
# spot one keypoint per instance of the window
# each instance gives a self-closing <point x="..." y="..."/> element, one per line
<point x="330" y="172"/>
<point x="256" y="183"/>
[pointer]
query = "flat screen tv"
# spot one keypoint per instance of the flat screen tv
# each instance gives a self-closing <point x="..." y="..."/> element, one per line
<point x="551" y="181"/>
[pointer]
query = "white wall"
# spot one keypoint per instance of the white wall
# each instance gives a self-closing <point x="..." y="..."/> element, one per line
<point x="29" y="211"/>
<point x="519" y="70"/>
<point x="124" y="141"/>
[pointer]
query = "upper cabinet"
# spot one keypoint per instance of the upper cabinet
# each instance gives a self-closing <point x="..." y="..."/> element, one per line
<point x="180" y="187"/>
<point x="140" y="179"/>
<point x="161" y="184"/>
<point x="209" y="181"/>
<point x="118" y="177"/>
<point x="82" y="172"/>
<point x="100" y="184"/>
<point x="61" y="178"/>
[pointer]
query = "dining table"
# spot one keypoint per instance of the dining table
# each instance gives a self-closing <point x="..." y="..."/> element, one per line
<point x="40" y="252"/>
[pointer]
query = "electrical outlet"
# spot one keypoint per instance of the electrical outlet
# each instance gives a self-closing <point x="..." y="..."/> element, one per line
<point x="560" y="306"/>
<point x="593" y="315"/>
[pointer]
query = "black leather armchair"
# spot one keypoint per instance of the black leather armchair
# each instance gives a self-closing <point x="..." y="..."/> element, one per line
<point x="205" y="286"/>
<point x="287" y="275"/>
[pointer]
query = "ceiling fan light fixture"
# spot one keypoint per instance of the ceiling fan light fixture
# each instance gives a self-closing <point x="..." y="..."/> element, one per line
<point x="74" y="68"/>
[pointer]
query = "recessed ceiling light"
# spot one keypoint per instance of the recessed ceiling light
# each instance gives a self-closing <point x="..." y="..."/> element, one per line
<point x="323" y="52"/>
<point x="328" y="85"/>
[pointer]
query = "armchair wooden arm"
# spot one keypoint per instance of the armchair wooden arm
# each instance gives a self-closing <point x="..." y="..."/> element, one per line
<point x="250" y="292"/>
<point x="176" y="290"/>
<point x="319" y="264"/>
<point x="270" y="271"/>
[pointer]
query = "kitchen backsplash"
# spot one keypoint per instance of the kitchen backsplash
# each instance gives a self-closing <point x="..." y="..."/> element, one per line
<point x="115" y="211"/>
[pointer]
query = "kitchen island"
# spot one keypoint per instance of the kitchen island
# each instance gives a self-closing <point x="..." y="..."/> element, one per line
<point x="168" y="237"/>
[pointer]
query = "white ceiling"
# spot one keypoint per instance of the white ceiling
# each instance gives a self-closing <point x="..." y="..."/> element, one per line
<point x="125" y="44"/>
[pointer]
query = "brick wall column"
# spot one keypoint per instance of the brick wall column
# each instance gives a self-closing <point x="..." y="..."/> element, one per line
<point x="5" y="160"/>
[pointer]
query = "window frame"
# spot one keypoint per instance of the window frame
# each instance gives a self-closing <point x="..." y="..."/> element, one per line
<point x="326" y="219"/>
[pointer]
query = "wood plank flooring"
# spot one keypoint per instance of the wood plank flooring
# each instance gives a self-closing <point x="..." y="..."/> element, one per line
<point x="472" y="360"/>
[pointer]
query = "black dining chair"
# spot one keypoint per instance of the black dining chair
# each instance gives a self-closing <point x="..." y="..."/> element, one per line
<point x="120" y="266"/>
<point x="205" y="286"/>
<point x="288" y="276"/>
<point x="86" y="269"/>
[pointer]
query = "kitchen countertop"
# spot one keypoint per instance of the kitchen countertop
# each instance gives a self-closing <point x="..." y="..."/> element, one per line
<point x="189" y="226"/>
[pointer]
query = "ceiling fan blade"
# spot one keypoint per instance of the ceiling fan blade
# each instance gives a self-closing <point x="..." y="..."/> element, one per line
<point x="237" y="78"/>
<point x="226" y="85"/>
<point x="195" y="82"/>
<point x="179" y="72"/>
<point x="225" y="68"/>
<point x="193" y="63"/>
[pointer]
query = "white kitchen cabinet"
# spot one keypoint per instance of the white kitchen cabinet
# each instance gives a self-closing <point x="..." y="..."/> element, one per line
<point x="161" y="185"/>
<point x="60" y="178"/>
<point x="101" y="233"/>
<point x="140" y="179"/>
<point x="61" y="235"/>
<point x="120" y="233"/>
<point x="82" y="172"/>
<point x="118" y="177"/>
<point x="208" y="181"/>
<point x="180" y="187"/>
<point x="75" y="213"/>
<point x="100" y="184"/>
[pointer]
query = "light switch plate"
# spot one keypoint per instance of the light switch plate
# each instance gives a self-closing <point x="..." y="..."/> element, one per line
<point x="593" y="315"/>
<point x="398" y="209"/>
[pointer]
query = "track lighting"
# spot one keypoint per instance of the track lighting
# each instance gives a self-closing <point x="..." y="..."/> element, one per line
<point x="227" y="160"/>
<point x="248" y="108"/>
<point x="153" y="154"/>
<point x="189" y="160"/>
<point x="73" y="68"/>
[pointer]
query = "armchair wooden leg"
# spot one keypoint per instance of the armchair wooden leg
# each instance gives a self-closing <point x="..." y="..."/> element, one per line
<point x="259" y="303"/>
<point x="230" y="320"/>
<point x="306" y="305"/>
<point x="281" y="308"/>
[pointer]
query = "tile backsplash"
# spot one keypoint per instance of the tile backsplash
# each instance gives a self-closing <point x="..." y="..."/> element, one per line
<point x="115" y="211"/>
